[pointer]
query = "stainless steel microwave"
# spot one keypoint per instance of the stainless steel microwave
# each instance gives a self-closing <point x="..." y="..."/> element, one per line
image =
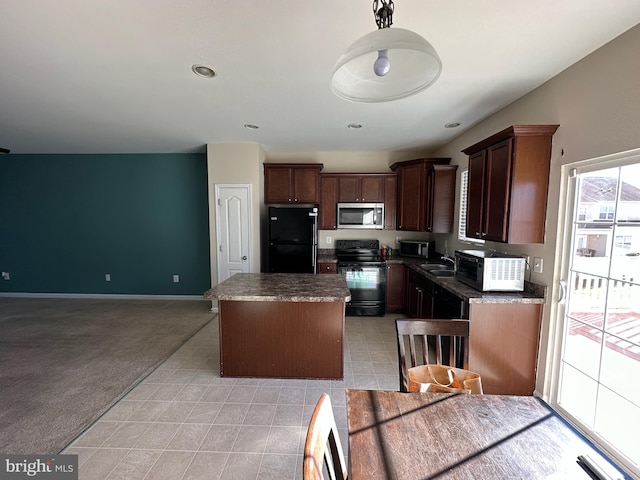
<point x="361" y="215"/>
<point x="490" y="271"/>
<point x="417" y="248"/>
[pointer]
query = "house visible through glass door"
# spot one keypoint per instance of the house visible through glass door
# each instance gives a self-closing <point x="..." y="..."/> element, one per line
<point x="599" y="370"/>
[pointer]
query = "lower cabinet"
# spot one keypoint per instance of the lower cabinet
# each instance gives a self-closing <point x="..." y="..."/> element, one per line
<point x="503" y="346"/>
<point x="395" y="288"/>
<point x="419" y="296"/>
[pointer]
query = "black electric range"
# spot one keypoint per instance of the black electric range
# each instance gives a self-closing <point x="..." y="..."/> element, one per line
<point x="366" y="273"/>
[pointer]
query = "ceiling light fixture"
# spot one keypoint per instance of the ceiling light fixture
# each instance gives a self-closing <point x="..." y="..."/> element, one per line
<point x="203" y="71"/>
<point x="354" y="125"/>
<point x="452" y="125"/>
<point x="250" y="126"/>
<point x="386" y="64"/>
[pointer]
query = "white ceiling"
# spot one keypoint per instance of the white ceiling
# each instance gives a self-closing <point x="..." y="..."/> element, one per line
<point x="114" y="76"/>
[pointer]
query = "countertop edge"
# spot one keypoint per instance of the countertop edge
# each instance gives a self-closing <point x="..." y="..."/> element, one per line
<point x="281" y="287"/>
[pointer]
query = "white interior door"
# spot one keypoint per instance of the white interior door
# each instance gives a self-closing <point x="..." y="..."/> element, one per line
<point x="233" y="227"/>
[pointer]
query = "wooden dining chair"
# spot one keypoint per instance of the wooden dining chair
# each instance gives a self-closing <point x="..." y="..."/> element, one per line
<point x="428" y="334"/>
<point x="322" y="447"/>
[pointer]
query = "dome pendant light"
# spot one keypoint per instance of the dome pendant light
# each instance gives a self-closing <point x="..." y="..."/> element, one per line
<point x="386" y="64"/>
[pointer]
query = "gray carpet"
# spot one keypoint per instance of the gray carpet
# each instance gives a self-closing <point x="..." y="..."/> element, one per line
<point x="64" y="362"/>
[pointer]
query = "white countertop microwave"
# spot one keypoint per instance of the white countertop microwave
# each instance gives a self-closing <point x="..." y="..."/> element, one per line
<point x="361" y="215"/>
<point x="490" y="271"/>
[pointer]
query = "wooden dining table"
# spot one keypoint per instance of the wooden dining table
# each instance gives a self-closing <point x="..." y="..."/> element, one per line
<point x="409" y="436"/>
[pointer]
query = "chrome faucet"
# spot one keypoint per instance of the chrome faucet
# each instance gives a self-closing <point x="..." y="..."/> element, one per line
<point x="446" y="258"/>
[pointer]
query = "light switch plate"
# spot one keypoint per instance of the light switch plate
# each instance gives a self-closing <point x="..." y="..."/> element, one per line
<point x="537" y="264"/>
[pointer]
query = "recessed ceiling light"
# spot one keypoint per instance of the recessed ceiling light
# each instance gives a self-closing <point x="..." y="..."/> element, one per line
<point x="203" y="71"/>
<point x="354" y="125"/>
<point x="251" y="126"/>
<point x="452" y="125"/>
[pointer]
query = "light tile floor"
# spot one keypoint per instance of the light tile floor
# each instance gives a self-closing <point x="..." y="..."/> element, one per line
<point x="184" y="422"/>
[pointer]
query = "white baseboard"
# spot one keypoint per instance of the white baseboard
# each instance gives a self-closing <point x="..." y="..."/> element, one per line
<point x="101" y="295"/>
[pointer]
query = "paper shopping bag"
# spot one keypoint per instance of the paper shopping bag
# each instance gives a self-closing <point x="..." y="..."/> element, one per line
<point x="442" y="378"/>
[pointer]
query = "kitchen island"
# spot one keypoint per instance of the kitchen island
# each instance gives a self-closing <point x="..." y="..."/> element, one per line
<point x="281" y="325"/>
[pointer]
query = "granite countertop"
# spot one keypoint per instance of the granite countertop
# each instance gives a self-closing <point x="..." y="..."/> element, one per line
<point x="533" y="293"/>
<point x="282" y="287"/>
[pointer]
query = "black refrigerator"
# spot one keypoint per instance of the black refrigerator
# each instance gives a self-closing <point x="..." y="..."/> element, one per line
<point x="293" y="239"/>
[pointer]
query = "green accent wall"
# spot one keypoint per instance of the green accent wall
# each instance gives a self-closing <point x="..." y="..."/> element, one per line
<point x="67" y="220"/>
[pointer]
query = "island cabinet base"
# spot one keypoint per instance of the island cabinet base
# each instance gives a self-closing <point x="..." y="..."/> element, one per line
<point x="281" y="339"/>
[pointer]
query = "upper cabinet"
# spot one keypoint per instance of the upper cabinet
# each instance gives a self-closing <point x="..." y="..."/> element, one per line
<point x="328" y="202"/>
<point x="357" y="188"/>
<point x="441" y="198"/>
<point x="390" y="201"/>
<point x="508" y="184"/>
<point x="361" y="188"/>
<point x="292" y="182"/>
<point x="426" y="195"/>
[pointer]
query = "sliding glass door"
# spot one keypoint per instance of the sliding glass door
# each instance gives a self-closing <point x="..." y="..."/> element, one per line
<point x="598" y="373"/>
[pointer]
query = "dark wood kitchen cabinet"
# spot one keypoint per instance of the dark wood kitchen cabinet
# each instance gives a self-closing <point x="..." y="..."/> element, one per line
<point x="292" y="182"/>
<point x="503" y="344"/>
<point x="361" y="188"/>
<point x="508" y="185"/>
<point x="426" y="194"/>
<point x="395" y="288"/>
<point x="328" y="202"/>
<point x="441" y="198"/>
<point x="419" y="296"/>
<point x="355" y="188"/>
<point x="327" y="267"/>
<point x="390" y="201"/>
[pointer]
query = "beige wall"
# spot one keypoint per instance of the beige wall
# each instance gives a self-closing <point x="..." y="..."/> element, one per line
<point x="596" y="102"/>
<point x="236" y="164"/>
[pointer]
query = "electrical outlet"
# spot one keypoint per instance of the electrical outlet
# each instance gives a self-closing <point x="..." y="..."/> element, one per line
<point x="398" y="240"/>
<point x="329" y="240"/>
<point x="6" y="276"/>
<point x="107" y="277"/>
<point x="176" y="278"/>
<point x="537" y="264"/>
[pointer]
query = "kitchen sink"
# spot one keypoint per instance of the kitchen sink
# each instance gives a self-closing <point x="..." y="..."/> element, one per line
<point x="430" y="267"/>
<point x="442" y="272"/>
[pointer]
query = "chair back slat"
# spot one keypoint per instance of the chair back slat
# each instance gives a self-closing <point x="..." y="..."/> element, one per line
<point x="429" y="333"/>
<point x="322" y="446"/>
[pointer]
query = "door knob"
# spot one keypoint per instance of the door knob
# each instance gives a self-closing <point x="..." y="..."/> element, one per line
<point x="244" y="257"/>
